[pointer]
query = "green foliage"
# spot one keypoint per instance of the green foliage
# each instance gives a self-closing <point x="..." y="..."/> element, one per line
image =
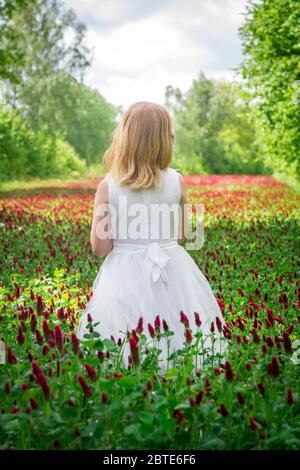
<point x="66" y="161"/>
<point x="215" y="129"/>
<point x="18" y="147"/>
<point x="63" y="105"/>
<point x="41" y="76"/>
<point x="25" y="153"/>
<point x="271" y="67"/>
<point x="10" y="55"/>
<point x="39" y="29"/>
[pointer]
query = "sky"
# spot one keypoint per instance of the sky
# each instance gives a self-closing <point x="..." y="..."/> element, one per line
<point x="142" y="46"/>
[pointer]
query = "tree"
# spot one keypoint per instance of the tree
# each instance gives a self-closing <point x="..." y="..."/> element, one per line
<point x="271" y="68"/>
<point x="9" y="54"/>
<point x="48" y="90"/>
<point x="215" y="129"/>
<point x="25" y="153"/>
<point x="38" y="30"/>
<point x="67" y="108"/>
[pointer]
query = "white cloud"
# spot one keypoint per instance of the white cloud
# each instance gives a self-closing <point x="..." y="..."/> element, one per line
<point x="141" y="47"/>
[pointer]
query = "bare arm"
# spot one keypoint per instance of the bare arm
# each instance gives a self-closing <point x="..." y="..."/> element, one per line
<point x="182" y="213"/>
<point x="100" y="237"/>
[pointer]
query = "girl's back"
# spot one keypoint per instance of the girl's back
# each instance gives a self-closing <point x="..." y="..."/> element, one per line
<point x="145" y="215"/>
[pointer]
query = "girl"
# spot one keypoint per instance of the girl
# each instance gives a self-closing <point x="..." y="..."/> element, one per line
<point x="146" y="272"/>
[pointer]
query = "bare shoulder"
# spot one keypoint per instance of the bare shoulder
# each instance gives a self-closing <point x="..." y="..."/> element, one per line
<point x="181" y="183"/>
<point x="181" y="179"/>
<point x="183" y="187"/>
<point x="102" y="190"/>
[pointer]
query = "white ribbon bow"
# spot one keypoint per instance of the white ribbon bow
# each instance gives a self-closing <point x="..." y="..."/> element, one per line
<point x="158" y="260"/>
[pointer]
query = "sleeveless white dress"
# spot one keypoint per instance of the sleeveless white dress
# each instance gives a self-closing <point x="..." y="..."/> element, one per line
<point x="147" y="277"/>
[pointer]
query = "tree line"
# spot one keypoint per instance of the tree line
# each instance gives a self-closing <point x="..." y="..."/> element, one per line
<point x="53" y="124"/>
<point x="251" y="125"/>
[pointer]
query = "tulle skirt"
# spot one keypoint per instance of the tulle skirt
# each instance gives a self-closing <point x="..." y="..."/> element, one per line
<point x="159" y="278"/>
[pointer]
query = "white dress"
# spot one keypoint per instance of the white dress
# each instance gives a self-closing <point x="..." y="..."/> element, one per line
<point x="147" y="277"/>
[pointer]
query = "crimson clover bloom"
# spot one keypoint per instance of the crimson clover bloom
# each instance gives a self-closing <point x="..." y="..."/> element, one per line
<point x="20" y="336"/>
<point x="85" y="388"/>
<point x="46" y="330"/>
<point x="33" y="403"/>
<point x="229" y="374"/>
<point x="157" y="323"/>
<point x="273" y="367"/>
<point x="188" y="335"/>
<point x="60" y="313"/>
<point x="269" y="341"/>
<point x="75" y="343"/>
<point x="199" y="397"/>
<point x="38" y="337"/>
<point x="139" y="327"/>
<point x="151" y="330"/>
<point x="240" y="398"/>
<point x="287" y="342"/>
<point x="192" y="402"/>
<point x="222" y="306"/>
<point x="104" y="398"/>
<point x="40" y="377"/>
<point x="33" y="322"/>
<point x="179" y="415"/>
<point x="219" y="324"/>
<point x="134" y="334"/>
<point x="184" y="319"/>
<point x="39" y="304"/>
<point x="289" y="396"/>
<point x="207" y="386"/>
<point x="11" y="358"/>
<point x="133" y="343"/>
<point x="100" y="355"/>
<point x="253" y="423"/>
<point x="255" y="337"/>
<point x="197" y="319"/>
<point x="223" y="410"/>
<point x="90" y="371"/>
<point x="227" y="333"/>
<point x="59" y="339"/>
<point x="55" y="443"/>
<point x="44" y="384"/>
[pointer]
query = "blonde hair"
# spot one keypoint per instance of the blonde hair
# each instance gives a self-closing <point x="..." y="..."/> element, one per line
<point x="141" y="146"/>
